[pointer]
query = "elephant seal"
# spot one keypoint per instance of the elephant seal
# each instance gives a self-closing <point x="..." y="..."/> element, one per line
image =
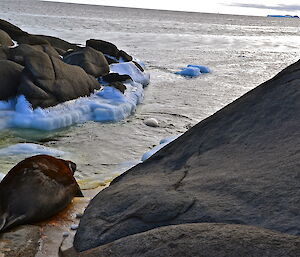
<point x="36" y="189"/>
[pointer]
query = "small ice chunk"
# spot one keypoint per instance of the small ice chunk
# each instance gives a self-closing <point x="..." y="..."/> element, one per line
<point x="162" y="144"/>
<point x="155" y="149"/>
<point x="74" y="227"/>
<point x="29" y="149"/>
<point x="203" y="69"/>
<point x="169" y="139"/>
<point x="189" y="72"/>
<point x="151" y="122"/>
<point x="65" y="234"/>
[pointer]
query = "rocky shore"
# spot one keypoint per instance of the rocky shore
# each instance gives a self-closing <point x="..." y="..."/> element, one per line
<point x="227" y="187"/>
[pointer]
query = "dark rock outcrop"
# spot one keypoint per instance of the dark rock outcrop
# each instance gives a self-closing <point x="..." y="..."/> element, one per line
<point x="125" y="56"/>
<point x="198" y="239"/>
<point x="23" y="37"/>
<point x="116" y="77"/>
<point x="47" y="81"/>
<point x="19" y="53"/>
<point x="32" y="40"/>
<point x="103" y="46"/>
<point x="89" y="59"/>
<point x="13" y="31"/>
<point x="10" y="77"/>
<point x="118" y="85"/>
<point x="108" y="49"/>
<point x="5" y="39"/>
<point x="3" y="52"/>
<point x="240" y="165"/>
<point x="139" y="66"/>
<point x="58" y="43"/>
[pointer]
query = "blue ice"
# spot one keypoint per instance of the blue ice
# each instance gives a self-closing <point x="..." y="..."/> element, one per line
<point x="203" y="69"/>
<point x="189" y="72"/>
<point x="29" y="149"/>
<point x="105" y="105"/>
<point x="193" y="70"/>
<point x="162" y="144"/>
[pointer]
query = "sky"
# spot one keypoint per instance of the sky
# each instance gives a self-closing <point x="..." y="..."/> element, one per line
<point x="243" y="7"/>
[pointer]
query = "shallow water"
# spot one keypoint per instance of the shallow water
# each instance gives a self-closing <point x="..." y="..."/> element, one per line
<point x="241" y="51"/>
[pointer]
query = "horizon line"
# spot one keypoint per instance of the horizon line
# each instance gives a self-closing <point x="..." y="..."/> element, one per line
<point x="156" y="9"/>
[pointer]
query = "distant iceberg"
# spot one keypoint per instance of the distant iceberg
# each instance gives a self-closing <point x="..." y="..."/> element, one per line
<point x="283" y="16"/>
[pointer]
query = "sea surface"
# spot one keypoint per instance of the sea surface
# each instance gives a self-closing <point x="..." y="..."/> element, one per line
<point x="241" y="51"/>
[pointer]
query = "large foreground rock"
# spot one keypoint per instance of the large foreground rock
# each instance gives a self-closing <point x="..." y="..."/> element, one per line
<point x="199" y="239"/>
<point x="47" y="81"/>
<point x="241" y="166"/>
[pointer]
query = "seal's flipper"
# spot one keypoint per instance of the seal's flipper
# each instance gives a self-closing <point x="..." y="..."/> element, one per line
<point x="8" y="221"/>
<point x="2" y="222"/>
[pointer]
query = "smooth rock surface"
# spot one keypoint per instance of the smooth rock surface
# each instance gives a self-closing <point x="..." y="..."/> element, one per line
<point x="10" y="77"/>
<point x="115" y="77"/>
<point x="92" y="61"/>
<point x="240" y="165"/>
<point x="108" y="49"/>
<point x="47" y="81"/>
<point x="3" y="52"/>
<point x="5" y="39"/>
<point x="13" y="31"/>
<point x="22" y="241"/>
<point x="199" y="239"/>
<point x="19" y="53"/>
<point x="22" y="37"/>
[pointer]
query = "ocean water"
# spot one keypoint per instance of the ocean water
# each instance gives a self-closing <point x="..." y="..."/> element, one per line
<point x="240" y="51"/>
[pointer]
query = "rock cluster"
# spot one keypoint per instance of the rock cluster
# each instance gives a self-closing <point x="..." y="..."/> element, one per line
<point x="239" y="166"/>
<point x="48" y="70"/>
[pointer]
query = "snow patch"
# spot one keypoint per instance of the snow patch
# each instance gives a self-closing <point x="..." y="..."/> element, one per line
<point x="30" y="149"/>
